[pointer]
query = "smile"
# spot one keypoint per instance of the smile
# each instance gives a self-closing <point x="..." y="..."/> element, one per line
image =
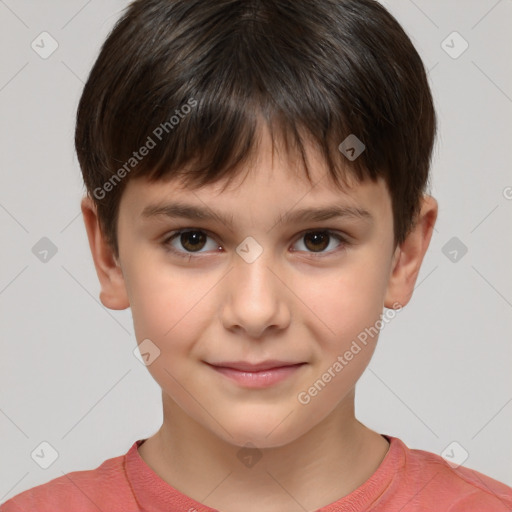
<point x="257" y="376"/>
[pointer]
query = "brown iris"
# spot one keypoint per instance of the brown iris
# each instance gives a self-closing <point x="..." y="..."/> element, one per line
<point x="319" y="239"/>
<point x="196" y="239"/>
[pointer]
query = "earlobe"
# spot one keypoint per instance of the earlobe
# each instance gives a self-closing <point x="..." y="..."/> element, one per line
<point x="409" y="256"/>
<point x="113" y="293"/>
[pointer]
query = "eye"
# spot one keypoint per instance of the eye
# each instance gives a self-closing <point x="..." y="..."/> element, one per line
<point x="317" y="241"/>
<point x="194" y="240"/>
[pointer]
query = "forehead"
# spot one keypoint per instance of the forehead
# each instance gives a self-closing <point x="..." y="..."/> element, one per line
<point x="256" y="202"/>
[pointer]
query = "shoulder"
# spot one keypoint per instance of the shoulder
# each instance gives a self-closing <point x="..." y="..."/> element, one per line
<point x="456" y="489"/>
<point x="103" y="488"/>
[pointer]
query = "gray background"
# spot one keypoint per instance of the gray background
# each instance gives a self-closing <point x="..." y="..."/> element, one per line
<point x="68" y="376"/>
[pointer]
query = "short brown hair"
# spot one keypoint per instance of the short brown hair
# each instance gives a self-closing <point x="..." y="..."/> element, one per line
<point x="189" y="80"/>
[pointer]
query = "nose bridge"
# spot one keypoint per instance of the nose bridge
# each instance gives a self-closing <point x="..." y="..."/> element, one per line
<point x="254" y="279"/>
<point x="256" y="298"/>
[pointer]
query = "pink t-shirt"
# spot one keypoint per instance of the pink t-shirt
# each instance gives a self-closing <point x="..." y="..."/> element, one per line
<point x="406" y="481"/>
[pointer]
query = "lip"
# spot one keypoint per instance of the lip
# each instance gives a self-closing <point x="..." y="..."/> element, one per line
<point x="258" y="375"/>
<point x="254" y="367"/>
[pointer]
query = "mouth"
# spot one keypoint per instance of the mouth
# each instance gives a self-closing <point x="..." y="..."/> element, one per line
<point x="256" y="375"/>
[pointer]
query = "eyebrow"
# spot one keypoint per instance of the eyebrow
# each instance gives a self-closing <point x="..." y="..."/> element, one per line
<point x="188" y="211"/>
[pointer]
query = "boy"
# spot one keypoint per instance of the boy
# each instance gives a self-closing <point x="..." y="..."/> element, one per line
<point x="290" y="142"/>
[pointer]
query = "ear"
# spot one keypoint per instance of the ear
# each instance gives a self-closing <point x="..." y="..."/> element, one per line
<point x="113" y="290"/>
<point x="409" y="256"/>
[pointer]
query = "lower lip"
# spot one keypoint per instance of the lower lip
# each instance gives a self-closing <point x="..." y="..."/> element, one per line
<point x="260" y="379"/>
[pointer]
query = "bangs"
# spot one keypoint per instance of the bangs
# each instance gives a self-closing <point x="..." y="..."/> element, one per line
<point x="198" y="156"/>
<point x="212" y="135"/>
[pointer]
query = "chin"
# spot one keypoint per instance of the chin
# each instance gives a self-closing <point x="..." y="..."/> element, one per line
<point x="271" y="432"/>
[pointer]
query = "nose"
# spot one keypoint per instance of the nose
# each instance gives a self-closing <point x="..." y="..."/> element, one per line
<point x="255" y="299"/>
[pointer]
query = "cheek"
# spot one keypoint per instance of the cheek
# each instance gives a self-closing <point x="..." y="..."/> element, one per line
<point x="345" y="302"/>
<point x="170" y="307"/>
<point x="347" y="307"/>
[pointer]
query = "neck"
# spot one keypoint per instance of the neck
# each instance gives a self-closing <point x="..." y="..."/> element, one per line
<point x="334" y="458"/>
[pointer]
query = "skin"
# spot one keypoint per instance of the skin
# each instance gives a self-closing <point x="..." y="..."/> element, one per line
<point x="285" y="305"/>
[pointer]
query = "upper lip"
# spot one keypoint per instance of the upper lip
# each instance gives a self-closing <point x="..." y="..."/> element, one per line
<point x="254" y="367"/>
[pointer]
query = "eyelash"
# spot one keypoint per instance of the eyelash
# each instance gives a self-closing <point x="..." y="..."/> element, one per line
<point x="190" y="255"/>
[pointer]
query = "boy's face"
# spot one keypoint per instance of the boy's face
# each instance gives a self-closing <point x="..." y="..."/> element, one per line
<point x="303" y="299"/>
